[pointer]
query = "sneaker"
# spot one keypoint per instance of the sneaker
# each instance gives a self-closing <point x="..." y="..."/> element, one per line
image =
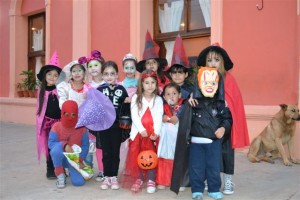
<point x="106" y="183"/>
<point x="100" y="177"/>
<point x="197" y="195"/>
<point x="215" y="195"/>
<point x="151" y="187"/>
<point x="50" y="174"/>
<point x="161" y="187"/>
<point x="61" y="181"/>
<point x="137" y="185"/>
<point x="67" y="172"/>
<point x="181" y="189"/>
<point x="228" y="185"/>
<point x="114" y="183"/>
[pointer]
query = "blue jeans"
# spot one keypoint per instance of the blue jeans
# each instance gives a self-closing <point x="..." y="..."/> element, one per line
<point x="204" y="164"/>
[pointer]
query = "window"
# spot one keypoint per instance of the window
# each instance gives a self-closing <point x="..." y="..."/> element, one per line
<point x="189" y="18"/>
<point x="36" y="42"/>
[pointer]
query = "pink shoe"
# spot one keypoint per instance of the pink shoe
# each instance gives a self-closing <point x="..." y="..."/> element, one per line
<point x="106" y="183"/>
<point x="114" y="183"/>
<point x="151" y="187"/>
<point x="137" y="185"/>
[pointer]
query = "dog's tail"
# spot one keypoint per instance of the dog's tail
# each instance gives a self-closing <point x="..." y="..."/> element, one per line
<point x="254" y="149"/>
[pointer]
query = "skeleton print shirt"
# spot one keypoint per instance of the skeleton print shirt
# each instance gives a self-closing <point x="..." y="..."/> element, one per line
<point x="116" y="94"/>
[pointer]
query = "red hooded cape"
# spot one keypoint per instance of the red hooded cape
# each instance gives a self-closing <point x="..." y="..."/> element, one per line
<point x="233" y="97"/>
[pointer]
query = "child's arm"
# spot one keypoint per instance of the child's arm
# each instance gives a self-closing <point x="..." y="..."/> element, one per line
<point x="63" y="94"/>
<point x="136" y="119"/>
<point x="53" y="140"/>
<point x="225" y="126"/>
<point x="158" y="115"/>
<point x="84" y="146"/>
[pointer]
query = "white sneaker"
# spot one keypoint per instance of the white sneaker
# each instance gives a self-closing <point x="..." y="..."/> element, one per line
<point x="181" y="189"/>
<point x="151" y="187"/>
<point x="106" y="183"/>
<point x="100" y="177"/>
<point x="61" y="181"/>
<point x="114" y="183"/>
<point x="228" y="184"/>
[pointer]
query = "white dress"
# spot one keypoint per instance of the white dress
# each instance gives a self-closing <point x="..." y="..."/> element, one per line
<point x="65" y="92"/>
<point x="167" y="141"/>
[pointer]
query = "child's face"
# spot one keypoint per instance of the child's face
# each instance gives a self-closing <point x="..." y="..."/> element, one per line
<point x="171" y="96"/>
<point x="129" y="68"/>
<point x="213" y="60"/>
<point x="94" y="68"/>
<point x="178" y="76"/>
<point x="77" y="73"/>
<point x="152" y="64"/>
<point x="149" y="85"/>
<point x="110" y="75"/>
<point x="51" y="77"/>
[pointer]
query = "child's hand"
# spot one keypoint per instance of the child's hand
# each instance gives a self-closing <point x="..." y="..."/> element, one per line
<point x="144" y="133"/>
<point x="81" y="165"/>
<point x="127" y="100"/>
<point x="220" y="132"/>
<point x="68" y="149"/>
<point x="173" y="120"/>
<point x="166" y="118"/>
<point x="192" y="102"/>
<point x="153" y="137"/>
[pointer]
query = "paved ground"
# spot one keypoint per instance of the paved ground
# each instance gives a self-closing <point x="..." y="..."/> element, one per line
<point x="21" y="177"/>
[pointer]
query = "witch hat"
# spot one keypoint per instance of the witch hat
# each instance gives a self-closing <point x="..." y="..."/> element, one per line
<point x="201" y="60"/>
<point x="150" y="52"/>
<point x="53" y="64"/>
<point x="179" y="56"/>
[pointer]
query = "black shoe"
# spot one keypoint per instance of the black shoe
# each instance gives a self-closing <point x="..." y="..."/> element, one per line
<point x="50" y="175"/>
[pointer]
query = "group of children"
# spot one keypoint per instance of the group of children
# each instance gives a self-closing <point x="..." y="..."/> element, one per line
<point x="189" y="127"/>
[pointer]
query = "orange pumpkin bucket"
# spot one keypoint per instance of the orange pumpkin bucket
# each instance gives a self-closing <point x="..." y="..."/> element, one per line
<point x="147" y="160"/>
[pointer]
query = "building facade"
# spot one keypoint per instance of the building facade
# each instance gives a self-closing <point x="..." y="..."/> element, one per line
<point x="262" y="38"/>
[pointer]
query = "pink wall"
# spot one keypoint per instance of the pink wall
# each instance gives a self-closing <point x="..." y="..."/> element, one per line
<point x="262" y="46"/>
<point x="30" y="7"/>
<point x="4" y="50"/>
<point x="61" y="30"/>
<point x="111" y="37"/>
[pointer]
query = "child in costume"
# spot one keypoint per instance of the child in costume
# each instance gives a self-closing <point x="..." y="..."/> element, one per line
<point x="167" y="141"/>
<point x="94" y="64"/>
<point x="215" y="56"/>
<point x="71" y="84"/>
<point x="110" y="139"/>
<point x="146" y="114"/>
<point x="48" y="111"/>
<point x="130" y="82"/>
<point x="63" y="136"/>
<point x="203" y="127"/>
<point x="178" y="72"/>
<point x="152" y="61"/>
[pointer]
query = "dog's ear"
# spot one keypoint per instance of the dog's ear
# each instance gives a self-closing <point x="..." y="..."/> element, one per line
<point x="283" y="106"/>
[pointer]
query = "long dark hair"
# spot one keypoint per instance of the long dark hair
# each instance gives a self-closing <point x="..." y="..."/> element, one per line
<point x="140" y="88"/>
<point x="42" y="92"/>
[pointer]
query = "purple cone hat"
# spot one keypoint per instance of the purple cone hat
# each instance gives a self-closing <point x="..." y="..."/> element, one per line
<point x="96" y="113"/>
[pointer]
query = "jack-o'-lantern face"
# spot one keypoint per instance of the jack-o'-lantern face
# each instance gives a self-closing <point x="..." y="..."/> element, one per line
<point x="147" y="159"/>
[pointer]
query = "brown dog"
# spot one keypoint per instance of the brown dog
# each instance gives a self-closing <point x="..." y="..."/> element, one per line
<point x="279" y="132"/>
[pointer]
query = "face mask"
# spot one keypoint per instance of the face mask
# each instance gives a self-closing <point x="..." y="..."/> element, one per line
<point x="208" y="81"/>
<point x="69" y="114"/>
